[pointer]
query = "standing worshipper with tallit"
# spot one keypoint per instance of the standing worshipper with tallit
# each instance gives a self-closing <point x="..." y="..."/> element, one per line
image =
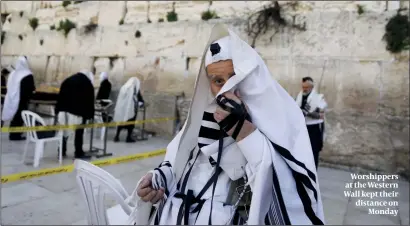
<point x="126" y="107"/>
<point x="20" y="88"/>
<point x="241" y="124"/>
<point x="313" y="106"/>
<point x="4" y="74"/>
<point x="75" y="105"/>
<point x="104" y="92"/>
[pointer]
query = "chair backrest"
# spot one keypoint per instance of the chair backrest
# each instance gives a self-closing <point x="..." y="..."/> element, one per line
<point x="30" y="118"/>
<point x="94" y="184"/>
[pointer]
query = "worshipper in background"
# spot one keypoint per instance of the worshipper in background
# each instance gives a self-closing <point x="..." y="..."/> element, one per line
<point x="20" y="88"/>
<point x="241" y="124"/>
<point x="105" y="87"/>
<point x="104" y="92"/>
<point x="313" y="106"/>
<point x="75" y="105"/>
<point x="4" y="73"/>
<point x="126" y="108"/>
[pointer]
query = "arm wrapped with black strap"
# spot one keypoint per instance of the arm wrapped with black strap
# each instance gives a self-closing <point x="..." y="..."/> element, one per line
<point x="238" y="115"/>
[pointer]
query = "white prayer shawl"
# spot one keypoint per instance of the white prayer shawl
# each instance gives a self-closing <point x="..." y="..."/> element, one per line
<point x="315" y="100"/>
<point x="125" y="105"/>
<point x="12" y="98"/>
<point x="277" y="116"/>
<point x="103" y="76"/>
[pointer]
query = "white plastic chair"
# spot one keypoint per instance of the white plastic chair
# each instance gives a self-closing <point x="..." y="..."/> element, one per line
<point x="94" y="184"/>
<point x="30" y="118"/>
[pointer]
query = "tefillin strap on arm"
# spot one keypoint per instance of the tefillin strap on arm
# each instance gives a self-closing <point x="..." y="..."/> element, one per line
<point x="237" y="117"/>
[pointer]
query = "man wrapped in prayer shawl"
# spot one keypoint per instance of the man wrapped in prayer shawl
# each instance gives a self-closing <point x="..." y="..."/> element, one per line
<point x="75" y="105"/>
<point x="241" y="124"/>
<point x="20" y="88"/>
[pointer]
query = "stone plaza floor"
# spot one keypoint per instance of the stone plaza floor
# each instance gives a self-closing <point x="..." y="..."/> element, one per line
<point x="55" y="199"/>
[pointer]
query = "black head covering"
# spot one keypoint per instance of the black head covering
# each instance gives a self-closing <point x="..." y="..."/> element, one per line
<point x="76" y="96"/>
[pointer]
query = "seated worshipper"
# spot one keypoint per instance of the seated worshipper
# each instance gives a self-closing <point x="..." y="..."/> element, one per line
<point x="104" y="92"/>
<point x="126" y="107"/>
<point x="241" y="124"/>
<point x="20" y="88"/>
<point x="313" y="106"/>
<point x="75" y="105"/>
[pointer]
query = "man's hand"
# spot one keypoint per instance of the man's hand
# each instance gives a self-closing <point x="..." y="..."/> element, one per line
<point x="220" y="114"/>
<point x="322" y="115"/>
<point x="307" y="107"/>
<point x="147" y="193"/>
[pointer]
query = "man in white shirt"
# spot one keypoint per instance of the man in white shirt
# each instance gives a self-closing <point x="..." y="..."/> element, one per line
<point x="313" y="106"/>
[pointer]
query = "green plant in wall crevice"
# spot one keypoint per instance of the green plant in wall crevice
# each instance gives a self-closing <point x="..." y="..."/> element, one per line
<point x="207" y="15"/>
<point x="33" y="23"/>
<point x="360" y="9"/>
<point x="172" y="16"/>
<point x="66" y="3"/>
<point x="3" y="37"/>
<point x="66" y="26"/>
<point x="397" y="33"/>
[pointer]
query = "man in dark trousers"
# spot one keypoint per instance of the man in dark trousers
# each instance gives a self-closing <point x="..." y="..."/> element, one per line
<point x="75" y="105"/>
<point x="20" y="88"/>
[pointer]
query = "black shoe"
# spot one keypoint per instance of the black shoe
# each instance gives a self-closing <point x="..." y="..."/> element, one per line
<point x="116" y="139"/>
<point x="83" y="156"/>
<point x="21" y="138"/>
<point x="130" y="140"/>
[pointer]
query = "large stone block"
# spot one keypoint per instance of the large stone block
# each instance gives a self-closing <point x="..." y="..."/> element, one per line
<point x="117" y="72"/>
<point x="394" y="89"/>
<point x="38" y="65"/>
<point x="356" y="87"/>
<point x="281" y="71"/>
<point x="111" y="13"/>
<point x="79" y="63"/>
<point x="136" y="12"/>
<point x="357" y="142"/>
<point x="52" y="71"/>
<point x="119" y="41"/>
<point x="18" y="21"/>
<point x="80" y="42"/>
<point x="367" y="38"/>
<point x="160" y="105"/>
<point x="8" y="60"/>
<point x="138" y="67"/>
<point x="12" y="45"/>
<point x="102" y="65"/>
<point x="16" y="6"/>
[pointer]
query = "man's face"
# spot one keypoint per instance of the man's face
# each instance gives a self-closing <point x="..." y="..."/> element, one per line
<point x="218" y="74"/>
<point x="306" y="87"/>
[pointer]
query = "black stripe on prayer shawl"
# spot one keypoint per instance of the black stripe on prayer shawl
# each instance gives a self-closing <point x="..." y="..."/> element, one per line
<point x="164" y="179"/>
<point x="277" y="214"/>
<point x="210" y="134"/>
<point x="301" y="181"/>
<point x="285" y="153"/>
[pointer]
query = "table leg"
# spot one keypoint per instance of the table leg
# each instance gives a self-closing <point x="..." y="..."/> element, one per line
<point x="104" y="154"/>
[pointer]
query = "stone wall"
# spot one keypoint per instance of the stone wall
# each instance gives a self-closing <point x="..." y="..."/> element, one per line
<point x="366" y="87"/>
